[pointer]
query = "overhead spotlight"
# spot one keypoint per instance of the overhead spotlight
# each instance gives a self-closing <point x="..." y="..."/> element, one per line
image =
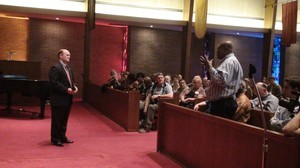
<point x="151" y="26"/>
<point x="237" y="33"/>
<point x="57" y="18"/>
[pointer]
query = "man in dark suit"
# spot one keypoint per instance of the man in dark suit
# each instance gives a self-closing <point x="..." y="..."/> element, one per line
<point x="63" y="88"/>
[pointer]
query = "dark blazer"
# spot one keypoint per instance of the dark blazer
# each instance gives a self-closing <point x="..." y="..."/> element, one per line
<point x="59" y="85"/>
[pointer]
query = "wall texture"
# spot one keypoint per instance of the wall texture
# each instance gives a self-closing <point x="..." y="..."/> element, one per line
<point x="248" y="50"/>
<point x="150" y="50"/>
<point x="106" y="52"/>
<point x="13" y="38"/>
<point x="46" y="37"/>
<point x="197" y="49"/>
<point x="292" y="60"/>
<point x="154" y="50"/>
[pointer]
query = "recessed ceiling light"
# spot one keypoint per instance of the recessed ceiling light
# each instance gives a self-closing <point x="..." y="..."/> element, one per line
<point x="57" y="18"/>
<point x="237" y="33"/>
<point x="151" y="26"/>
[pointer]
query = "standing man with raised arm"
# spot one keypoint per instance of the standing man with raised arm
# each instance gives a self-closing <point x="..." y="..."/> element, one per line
<point x="63" y="89"/>
<point x="225" y="81"/>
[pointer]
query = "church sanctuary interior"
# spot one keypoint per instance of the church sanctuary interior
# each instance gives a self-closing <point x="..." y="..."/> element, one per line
<point x="141" y="36"/>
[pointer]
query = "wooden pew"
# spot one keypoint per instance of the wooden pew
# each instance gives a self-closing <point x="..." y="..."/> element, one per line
<point x="196" y="139"/>
<point x="256" y="120"/>
<point x="121" y="107"/>
<point x="174" y="100"/>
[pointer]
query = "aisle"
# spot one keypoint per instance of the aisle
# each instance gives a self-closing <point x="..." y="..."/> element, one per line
<point x="99" y="143"/>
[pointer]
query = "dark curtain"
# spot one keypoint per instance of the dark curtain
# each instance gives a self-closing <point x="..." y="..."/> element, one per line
<point x="289" y="23"/>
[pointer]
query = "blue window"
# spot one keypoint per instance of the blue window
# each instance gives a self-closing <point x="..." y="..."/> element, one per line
<point x="276" y="59"/>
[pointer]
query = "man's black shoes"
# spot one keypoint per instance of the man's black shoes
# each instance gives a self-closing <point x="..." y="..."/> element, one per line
<point x="58" y="143"/>
<point x="67" y="141"/>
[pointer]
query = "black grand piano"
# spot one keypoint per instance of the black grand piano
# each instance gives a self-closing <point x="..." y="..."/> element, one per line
<point x="10" y="84"/>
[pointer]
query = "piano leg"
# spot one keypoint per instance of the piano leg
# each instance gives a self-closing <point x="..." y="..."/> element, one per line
<point x="8" y="103"/>
<point x="42" y="107"/>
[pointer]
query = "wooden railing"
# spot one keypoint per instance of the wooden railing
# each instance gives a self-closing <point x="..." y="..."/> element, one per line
<point x="196" y="139"/>
<point x="121" y="107"/>
<point x="256" y="118"/>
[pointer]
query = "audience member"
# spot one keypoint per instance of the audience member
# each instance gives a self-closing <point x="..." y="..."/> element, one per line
<point x="284" y="112"/>
<point x="159" y="90"/>
<point x="264" y="80"/>
<point x="179" y="76"/>
<point x="249" y="90"/>
<point x="292" y="128"/>
<point x="113" y="81"/>
<point x="205" y="82"/>
<point x="200" y="106"/>
<point x="175" y="84"/>
<point x="131" y="83"/>
<point x="268" y="100"/>
<point x="187" y="98"/>
<point x="147" y="84"/>
<point x="242" y="113"/>
<point x="225" y="81"/>
<point x="168" y="79"/>
<point x="183" y="87"/>
<point x="123" y="80"/>
<point x="274" y="88"/>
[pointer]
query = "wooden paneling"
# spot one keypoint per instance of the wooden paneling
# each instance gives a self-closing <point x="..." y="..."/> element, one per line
<point x="121" y="107"/>
<point x="196" y="139"/>
<point x="256" y="118"/>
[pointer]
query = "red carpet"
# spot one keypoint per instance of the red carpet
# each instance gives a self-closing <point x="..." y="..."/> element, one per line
<point x="98" y="143"/>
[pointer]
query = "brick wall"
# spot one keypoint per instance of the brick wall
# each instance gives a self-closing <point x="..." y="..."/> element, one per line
<point x="151" y="50"/>
<point x="155" y="50"/>
<point x="47" y="37"/>
<point x="106" y="53"/>
<point x="197" y="49"/>
<point x="13" y="38"/>
<point x="292" y="60"/>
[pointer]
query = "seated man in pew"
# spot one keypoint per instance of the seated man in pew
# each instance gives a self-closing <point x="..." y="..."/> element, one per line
<point x="187" y="98"/>
<point x="292" y="128"/>
<point x="269" y="101"/>
<point x="144" y="90"/>
<point x="160" y="89"/>
<point x="287" y="108"/>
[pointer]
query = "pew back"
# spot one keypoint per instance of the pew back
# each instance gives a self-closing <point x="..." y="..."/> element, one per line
<point x="196" y="139"/>
<point x="256" y="119"/>
<point x="121" y="107"/>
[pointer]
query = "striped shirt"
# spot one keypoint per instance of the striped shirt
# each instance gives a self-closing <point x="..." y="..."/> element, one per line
<point x="225" y="79"/>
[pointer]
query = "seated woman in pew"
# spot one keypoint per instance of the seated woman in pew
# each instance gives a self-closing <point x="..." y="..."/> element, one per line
<point x="113" y="81"/>
<point x="242" y="113"/>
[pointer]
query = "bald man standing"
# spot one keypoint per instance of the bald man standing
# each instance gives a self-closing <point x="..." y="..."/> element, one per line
<point x="63" y="88"/>
<point x="225" y="81"/>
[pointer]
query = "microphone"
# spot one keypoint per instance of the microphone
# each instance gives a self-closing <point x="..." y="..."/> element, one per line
<point x="252" y="70"/>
